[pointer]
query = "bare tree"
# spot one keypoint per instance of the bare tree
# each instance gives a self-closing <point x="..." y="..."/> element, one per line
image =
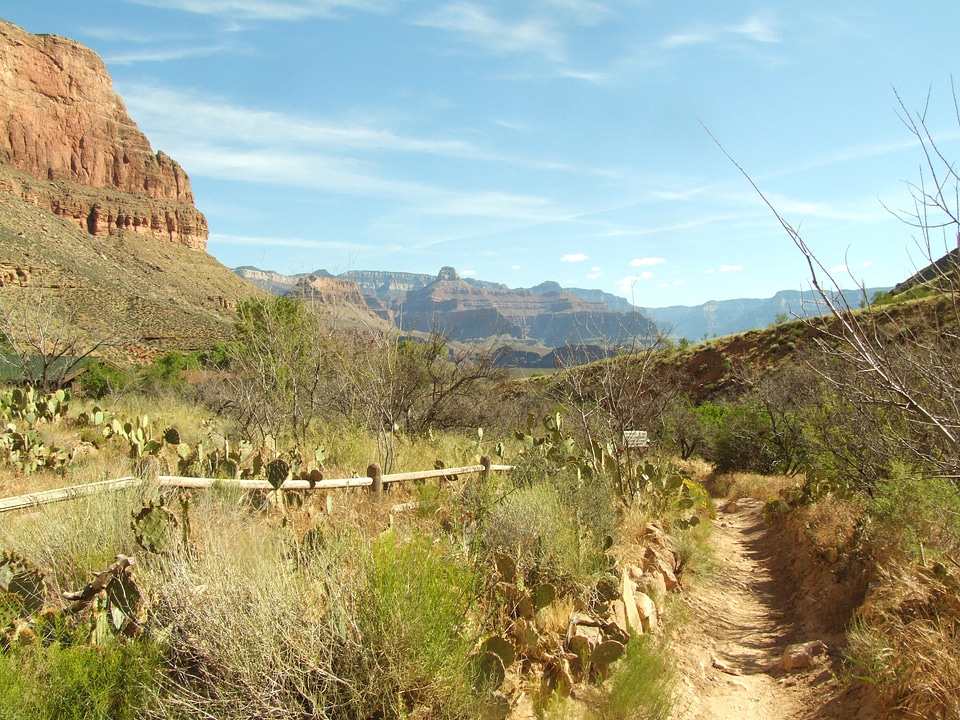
<point x="399" y="384"/>
<point x="42" y="338"/>
<point x="906" y="358"/>
<point x="629" y="391"/>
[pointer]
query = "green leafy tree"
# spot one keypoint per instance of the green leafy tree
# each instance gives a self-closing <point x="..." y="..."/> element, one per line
<point x="276" y="367"/>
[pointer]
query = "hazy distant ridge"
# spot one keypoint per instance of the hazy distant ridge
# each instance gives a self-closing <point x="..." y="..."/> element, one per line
<point x="728" y="317"/>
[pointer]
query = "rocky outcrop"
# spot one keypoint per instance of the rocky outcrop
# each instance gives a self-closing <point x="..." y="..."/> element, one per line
<point x="273" y="282"/>
<point x="78" y="152"/>
<point x="469" y="311"/>
<point x="329" y="291"/>
<point x="387" y="286"/>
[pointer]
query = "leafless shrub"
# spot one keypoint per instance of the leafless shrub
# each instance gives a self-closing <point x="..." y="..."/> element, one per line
<point x="42" y="338"/>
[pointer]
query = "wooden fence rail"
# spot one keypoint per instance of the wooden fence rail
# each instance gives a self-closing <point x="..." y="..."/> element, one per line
<point x="375" y="480"/>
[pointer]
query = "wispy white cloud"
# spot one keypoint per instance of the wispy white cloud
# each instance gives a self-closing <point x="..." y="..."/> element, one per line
<point x="284" y="10"/>
<point x="573" y="257"/>
<point x="643" y="262"/>
<point x="495" y="35"/>
<point x="586" y="12"/>
<point x="164" y="54"/>
<point x="304" y="243"/>
<point x="467" y="273"/>
<point x="188" y="113"/>
<point x="755" y="29"/>
<point x="625" y="285"/>
<point x="491" y="204"/>
<point x="594" y="273"/>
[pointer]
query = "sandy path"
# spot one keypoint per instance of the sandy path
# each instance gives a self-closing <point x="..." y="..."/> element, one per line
<point x="739" y="626"/>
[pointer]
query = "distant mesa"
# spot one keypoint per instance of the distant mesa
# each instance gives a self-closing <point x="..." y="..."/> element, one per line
<point x="534" y="322"/>
<point x="76" y="150"/>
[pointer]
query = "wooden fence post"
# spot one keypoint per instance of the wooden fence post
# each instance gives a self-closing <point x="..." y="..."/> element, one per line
<point x="376" y="474"/>
<point x="485" y="461"/>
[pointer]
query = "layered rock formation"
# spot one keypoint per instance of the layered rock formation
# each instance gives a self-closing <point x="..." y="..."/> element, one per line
<point x="77" y="151"/>
<point x="469" y="310"/>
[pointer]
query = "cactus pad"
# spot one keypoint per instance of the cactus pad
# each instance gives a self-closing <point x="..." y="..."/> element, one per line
<point x="277" y="471"/>
<point x="501" y="647"/>
<point x="155" y="529"/>
<point x="607" y="652"/>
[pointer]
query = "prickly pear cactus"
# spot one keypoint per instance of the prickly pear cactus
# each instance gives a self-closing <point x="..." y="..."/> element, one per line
<point x="21" y="588"/>
<point x="490" y="672"/>
<point x="502" y="647"/>
<point x="607" y="652"/>
<point x="277" y="471"/>
<point x="542" y="595"/>
<point x="123" y="599"/>
<point x="155" y="528"/>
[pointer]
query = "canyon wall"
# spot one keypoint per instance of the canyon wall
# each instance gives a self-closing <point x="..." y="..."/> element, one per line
<point x="77" y="152"/>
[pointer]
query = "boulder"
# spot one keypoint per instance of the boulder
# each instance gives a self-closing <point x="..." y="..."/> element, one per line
<point x="801" y="655"/>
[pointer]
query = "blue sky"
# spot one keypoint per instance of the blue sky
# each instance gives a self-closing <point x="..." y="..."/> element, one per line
<point x="547" y="140"/>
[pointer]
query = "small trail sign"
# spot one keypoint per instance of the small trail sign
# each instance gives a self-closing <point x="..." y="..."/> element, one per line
<point x="636" y="439"/>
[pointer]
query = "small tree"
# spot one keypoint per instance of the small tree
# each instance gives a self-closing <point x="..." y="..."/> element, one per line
<point x="41" y="336"/>
<point x="276" y="367"/>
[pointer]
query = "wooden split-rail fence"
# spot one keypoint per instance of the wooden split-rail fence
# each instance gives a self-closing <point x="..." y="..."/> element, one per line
<point x="375" y="480"/>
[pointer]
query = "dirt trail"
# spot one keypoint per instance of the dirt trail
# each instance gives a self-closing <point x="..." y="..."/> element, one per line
<point x="741" y="622"/>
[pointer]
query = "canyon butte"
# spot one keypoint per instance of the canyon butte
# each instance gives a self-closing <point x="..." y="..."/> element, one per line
<point x="93" y="222"/>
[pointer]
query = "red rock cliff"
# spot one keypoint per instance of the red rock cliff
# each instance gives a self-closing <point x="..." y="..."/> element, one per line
<point x="62" y="124"/>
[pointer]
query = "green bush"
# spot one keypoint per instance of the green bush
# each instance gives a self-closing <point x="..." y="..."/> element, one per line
<point x="100" y="379"/>
<point x="87" y="683"/>
<point x="414" y="640"/>
<point x="535" y="523"/>
<point x="641" y="687"/>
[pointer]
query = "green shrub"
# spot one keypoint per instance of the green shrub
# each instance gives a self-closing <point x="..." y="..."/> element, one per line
<point x="100" y="379"/>
<point x="87" y="683"/>
<point x="535" y="523"/>
<point x="641" y="687"/>
<point x="412" y="612"/>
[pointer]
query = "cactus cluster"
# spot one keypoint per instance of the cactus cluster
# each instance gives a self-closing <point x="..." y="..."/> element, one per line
<point x="666" y="490"/>
<point x="22" y="595"/>
<point x="110" y="604"/>
<point x="32" y="406"/>
<point x="21" y="443"/>
<point x="553" y="445"/>
<point x="556" y="660"/>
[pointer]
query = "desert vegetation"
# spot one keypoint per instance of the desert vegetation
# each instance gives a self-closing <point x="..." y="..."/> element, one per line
<point x="551" y="589"/>
<point x="455" y="597"/>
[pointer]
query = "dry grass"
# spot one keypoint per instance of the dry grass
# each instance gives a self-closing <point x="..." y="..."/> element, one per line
<point x="907" y="642"/>
<point x="750" y="485"/>
<point x="831" y="524"/>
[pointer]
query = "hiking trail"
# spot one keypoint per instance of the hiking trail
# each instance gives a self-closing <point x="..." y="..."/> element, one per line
<point x="742" y="619"/>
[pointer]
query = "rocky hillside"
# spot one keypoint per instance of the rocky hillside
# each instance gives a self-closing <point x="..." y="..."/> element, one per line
<point x="92" y="220"/>
<point x="81" y="155"/>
